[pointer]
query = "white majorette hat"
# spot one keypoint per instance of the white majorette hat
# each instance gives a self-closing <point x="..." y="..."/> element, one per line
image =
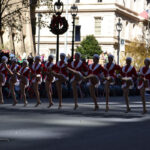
<point x="14" y="59"/>
<point x="129" y="58"/>
<point x="38" y="57"/>
<point x="25" y="61"/>
<point x="111" y="56"/>
<point x="5" y="59"/>
<point x="96" y="56"/>
<point x="78" y="53"/>
<point x="63" y="54"/>
<point x="51" y="56"/>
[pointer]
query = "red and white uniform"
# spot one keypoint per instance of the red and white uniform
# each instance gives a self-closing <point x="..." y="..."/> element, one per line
<point x="61" y="69"/>
<point x="25" y="71"/>
<point x="80" y="67"/>
<point x="111" y="70"/>
<point x="15" y="68"/>
<point x="3" y="71"/>
<point x="48" y="66"/>
<point x="96" y="69"/>
<point x="36" y="69"/>
<point x="145" y="73"/>
<point x="130" y="72"/>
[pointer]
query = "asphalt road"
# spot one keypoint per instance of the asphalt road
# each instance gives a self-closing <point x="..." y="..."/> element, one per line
<point x="41" y="128"/>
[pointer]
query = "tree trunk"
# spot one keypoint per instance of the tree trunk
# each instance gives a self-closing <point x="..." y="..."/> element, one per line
<point x="1" y="32"/>
<point x="1" y="40"/>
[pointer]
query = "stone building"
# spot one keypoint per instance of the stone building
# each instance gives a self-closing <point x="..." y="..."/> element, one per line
<point x="98" y="18"/>
<point x="17" y="34"/>
<point x="95" y="17"/>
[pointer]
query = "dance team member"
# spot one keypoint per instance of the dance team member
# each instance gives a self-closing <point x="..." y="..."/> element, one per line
<point x="49" y="67"/>
<point x="61" y="76"/>
<point x="13" y="79"/>
<point x="36" y="74"/>
<point x="78" y="69"/>
<point x="144" y="81"/>
<point x="24" y="76"/>
<point x="93" y="77"/>
<point x="128" y="74"/>
<point x="110" y="76"/>
<point x="4" y="70"/>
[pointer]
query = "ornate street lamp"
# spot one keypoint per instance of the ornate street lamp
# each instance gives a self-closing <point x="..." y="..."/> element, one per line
<point x="58" y="7"/>
<point x="119" y="29"/>
<point x="58" y="25"/>
<point x="74" y="12"/>
<point x="39" y="27"/>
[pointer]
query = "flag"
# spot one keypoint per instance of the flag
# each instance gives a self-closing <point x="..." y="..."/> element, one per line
<point x="144" y="14"/>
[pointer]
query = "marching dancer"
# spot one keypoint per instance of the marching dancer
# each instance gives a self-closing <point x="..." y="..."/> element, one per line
<point x="94" y="78"/>
<point x="36" y="72"/>
<point x="110" y="76"/>
<point x="144" y="80"/>
<point x="3" y="75"/>
<point x="49" y="66"/>
<point x="13" y="79"/>
<point x="23" y="75"/>
<point x="61" y="76"/>
<point x="77" y="69"/>
<point x="128" y="73"/>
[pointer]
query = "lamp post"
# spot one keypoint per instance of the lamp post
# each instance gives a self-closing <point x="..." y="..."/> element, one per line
<point x="119" y="29"/>
<point x="74" y="11"/>
<point x="39" y="26"/>
<point x="58" y="9"/>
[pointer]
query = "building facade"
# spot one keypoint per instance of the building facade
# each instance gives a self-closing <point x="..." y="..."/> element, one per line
<point x="98" y="18"/>
<point x="16" y="35"/>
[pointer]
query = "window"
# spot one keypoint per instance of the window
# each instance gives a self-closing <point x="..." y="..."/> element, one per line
<point x="77" y="1"/>
<point x="99" y="1"/>
<point x="98" y="25"/>
<point x="52" y="51"/>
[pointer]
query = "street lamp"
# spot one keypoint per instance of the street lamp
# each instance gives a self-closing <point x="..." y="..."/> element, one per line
<point x="39" y="27"/>
<point x="58" y="9"/>
<point x="74" y="11"/>
<point x="119" y="29"/>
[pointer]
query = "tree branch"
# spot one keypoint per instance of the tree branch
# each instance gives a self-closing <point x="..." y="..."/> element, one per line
<point x="13" y="4"/>
<point x="12" y="13"/>
<point x="20" y="2"/>
<point x="2" y="10"/>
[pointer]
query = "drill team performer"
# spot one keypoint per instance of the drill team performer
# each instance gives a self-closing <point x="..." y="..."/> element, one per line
<point x="78" y="69"/>
<point x="36" y="72"/>
<point x="128" y="74"/>
<point x="94" y="75"/>
<point x="61" y="76"/>
<point x="14" y="79"/>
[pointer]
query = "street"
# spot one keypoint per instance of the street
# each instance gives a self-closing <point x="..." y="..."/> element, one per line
<point x="41" y="128"/>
